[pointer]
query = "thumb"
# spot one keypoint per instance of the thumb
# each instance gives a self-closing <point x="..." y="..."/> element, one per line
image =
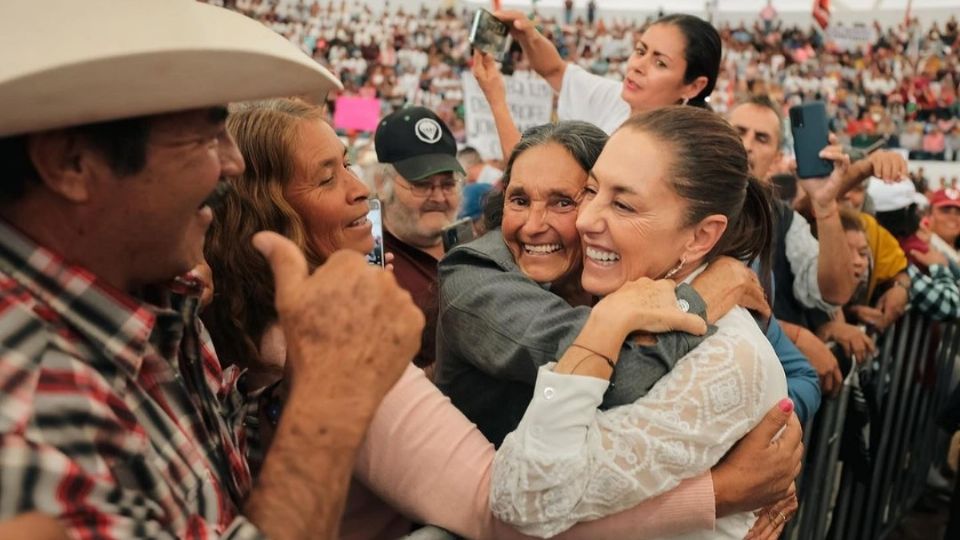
<point x="774" y="421"/>
<point x="286" y="261"/>
<point x="685" y="322"/>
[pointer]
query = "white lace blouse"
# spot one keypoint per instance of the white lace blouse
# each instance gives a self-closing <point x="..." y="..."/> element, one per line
<point x="568" y="462"/>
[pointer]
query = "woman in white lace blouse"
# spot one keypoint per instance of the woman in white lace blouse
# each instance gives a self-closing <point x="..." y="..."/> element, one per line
<point x="670" y="192"/>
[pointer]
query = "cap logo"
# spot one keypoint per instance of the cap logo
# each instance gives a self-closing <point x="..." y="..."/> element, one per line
<point x="427" y="130"/>
<point x="952" y="194"/>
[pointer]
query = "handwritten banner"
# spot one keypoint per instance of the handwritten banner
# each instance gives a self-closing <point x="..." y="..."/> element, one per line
<point x="529" y="97"/>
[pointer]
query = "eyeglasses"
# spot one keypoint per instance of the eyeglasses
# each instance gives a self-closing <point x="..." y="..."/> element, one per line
<point x="424" y="190"/>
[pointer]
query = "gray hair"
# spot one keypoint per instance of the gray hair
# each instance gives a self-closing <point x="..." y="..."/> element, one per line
<point x="583" y="140"/>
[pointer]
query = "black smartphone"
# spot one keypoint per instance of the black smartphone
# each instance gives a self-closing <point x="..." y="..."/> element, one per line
<point x="459" y="232"/>
<point x="808" y="122"/>
<point x="490" y="34"/>
<point x="375" y="216"/>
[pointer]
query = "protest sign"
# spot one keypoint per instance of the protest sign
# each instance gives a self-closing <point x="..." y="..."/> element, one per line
<point x="531" y="103"/>
<point x="850" y="38"/>
<point x="356" y="113"/>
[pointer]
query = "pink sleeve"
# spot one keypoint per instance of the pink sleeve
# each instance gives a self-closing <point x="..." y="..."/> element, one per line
<point x="427" y="461"/>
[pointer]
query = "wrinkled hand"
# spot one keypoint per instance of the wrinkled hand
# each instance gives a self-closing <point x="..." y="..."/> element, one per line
<point x="759" y="470"/>
<point x="825" y="364"/>
<point x="868" y="315"/>
<point x="649" y="306"/>
<point x="888" y="166"/>
<point x="772" y="519"/>
<point x="824" y="191"/>
<point x="350" y="329"/>
<point x="851" y="339"/>
<point x="930" y="258"/>
<point x="893" y="304"/>
<point x="489" y="78"/>
<point x="728" y="282"/>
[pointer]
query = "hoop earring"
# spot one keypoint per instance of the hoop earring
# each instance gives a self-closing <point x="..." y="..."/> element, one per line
<point x="684" y="101"/>
<point x="675" y="269"/>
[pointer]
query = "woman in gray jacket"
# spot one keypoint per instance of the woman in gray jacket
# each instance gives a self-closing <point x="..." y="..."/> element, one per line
<point x="511" y="300"/>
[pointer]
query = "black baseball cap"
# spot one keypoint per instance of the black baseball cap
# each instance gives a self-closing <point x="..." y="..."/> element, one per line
<point x="417" y="143"/>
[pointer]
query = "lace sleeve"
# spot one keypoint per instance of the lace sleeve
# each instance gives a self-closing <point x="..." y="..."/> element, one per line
<point x="558" y="468"/>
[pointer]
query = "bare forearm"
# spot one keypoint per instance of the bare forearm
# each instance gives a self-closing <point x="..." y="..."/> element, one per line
<point x="506" y="128"/>
<point x="303" y="483"/>
<point x="833" y="264"/>
<point x="601" y="338"/>
<point x="544" y="58"/>
<point x="856" y="173"/>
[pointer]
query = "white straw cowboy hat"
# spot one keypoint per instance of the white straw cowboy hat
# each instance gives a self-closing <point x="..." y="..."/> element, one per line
<point x="70" y="62"/>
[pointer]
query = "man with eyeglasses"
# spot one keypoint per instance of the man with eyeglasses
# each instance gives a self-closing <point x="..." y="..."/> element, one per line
<point x="420" y="192"/>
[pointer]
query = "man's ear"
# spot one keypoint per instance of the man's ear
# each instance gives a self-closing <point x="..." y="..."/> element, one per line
<point x="63" y="162"/>
<point x="706" y="234"/>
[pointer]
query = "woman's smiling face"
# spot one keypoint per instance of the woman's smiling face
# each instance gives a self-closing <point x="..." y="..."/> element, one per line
<point x="540" y="212"/>
<point x="631" y="221"/>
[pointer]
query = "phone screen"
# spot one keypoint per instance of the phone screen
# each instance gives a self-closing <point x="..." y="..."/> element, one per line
<point x="808" y="124"/>
<point x="375" y="216"/>
<point x="490" y="34"/>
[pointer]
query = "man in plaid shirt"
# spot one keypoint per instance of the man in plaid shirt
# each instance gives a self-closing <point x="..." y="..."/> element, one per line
<point x="115" y="415"/>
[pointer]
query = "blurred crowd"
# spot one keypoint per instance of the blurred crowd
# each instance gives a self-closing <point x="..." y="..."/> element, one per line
<point x="898" y="86"/>
<point x="211" y="326"/>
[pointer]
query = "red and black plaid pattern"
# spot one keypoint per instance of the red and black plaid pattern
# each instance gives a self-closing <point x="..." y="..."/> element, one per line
<point x="115" y="415"/>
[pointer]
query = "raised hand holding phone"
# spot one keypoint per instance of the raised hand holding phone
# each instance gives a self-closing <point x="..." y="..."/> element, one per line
<point x="808" y="123"/>
<point x="823" y="191"/>
<point x="490" y="34"/>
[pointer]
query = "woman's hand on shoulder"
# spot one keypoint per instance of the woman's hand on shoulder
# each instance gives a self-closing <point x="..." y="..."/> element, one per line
<point x="647" y="305"/>
<point x="726" y="283"/>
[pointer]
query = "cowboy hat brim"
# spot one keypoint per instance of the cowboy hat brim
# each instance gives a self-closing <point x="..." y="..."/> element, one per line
<point x="65" y="63"/>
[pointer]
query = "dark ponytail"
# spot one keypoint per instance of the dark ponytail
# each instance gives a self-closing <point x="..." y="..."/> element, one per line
<point x="710" y="171"/>
<point x="750" y="237"/>
<point x="703" y="53"/>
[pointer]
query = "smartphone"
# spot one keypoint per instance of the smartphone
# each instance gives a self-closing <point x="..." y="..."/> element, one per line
<point x="808" y="123"/>
<point x="490" y="34"/>
<point x="459" y="232"/>
<point x="375" y="216"/>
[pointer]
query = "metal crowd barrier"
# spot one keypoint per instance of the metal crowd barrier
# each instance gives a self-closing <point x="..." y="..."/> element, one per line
<point x="907" y="394"/>
<point x="907" y="391"/>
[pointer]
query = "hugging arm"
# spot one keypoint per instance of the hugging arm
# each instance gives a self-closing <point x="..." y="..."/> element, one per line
<point x="566" y="462"/>
<point x="508" y="326"/>
<point x="425" y="459"/>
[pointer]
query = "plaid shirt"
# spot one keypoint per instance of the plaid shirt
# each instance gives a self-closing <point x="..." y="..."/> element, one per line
<point x="115" y="415"/>
<point x="936" y="294"/>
